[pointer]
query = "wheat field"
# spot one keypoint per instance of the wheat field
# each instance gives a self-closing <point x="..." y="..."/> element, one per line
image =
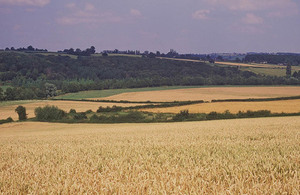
<point x="240" y="156"/>
<point x="208" y="94"/>
<point x="9" y="111"/>
<point x="286" y="106"/>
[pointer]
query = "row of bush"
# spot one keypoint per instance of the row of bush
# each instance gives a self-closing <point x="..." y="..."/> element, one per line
<point x="54" y="114"/>
<point x="184" y="115"/>
<point x="258" y="99"/>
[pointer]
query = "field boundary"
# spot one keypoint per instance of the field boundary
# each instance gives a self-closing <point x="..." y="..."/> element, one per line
<point x="184" y="102"/>
<point x="258" y="99"/>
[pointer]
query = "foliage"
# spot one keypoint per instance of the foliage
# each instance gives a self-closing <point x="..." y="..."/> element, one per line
<point x="21" y="110"/>
<point x="8" y="120"/>
<point x="72" y="111"/>
<point x="1" y="94"/>
<point x="182" y="115"/>
<point x="258" y="99"/>
<point x="49" y="113"/>
<point x="109" y="109"/>
<point x="291" y="59"/>
<point x="50" y="90"/>
<point x="79" y="116"/>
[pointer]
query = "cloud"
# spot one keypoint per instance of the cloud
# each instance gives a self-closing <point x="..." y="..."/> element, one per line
<point x="135" y="12"/>
<point x="88" y="15"/>
<point x="274" y="7"/>
<point x="252" y="19"/>
<point x="201" y="14"/>
<point x="38" y="3"/>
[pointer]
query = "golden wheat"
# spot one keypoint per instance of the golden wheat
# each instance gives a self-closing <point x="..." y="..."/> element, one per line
<point x="245" y="156"/>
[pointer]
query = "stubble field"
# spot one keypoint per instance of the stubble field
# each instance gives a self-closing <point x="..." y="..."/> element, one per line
<point x="286" y="106"/>
<point x="245" y="156"/>
<point x="208" y="93"/>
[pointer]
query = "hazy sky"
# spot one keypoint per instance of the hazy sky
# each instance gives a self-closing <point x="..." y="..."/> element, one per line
<point x="188" y="26"/>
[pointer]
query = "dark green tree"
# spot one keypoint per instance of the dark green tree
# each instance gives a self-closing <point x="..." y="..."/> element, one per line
<point x="10" y="94"/>
<point x="50" y="90"/>
<point x="288" y="70"/>
<point x="21" y="112"/>
<point x="1" y="94"/>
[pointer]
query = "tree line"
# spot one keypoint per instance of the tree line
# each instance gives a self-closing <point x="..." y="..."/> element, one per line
<point x="284" y="59"/>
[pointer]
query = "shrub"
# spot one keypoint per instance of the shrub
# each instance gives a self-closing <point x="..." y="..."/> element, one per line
<point x="8" y="120"/>
<point x="21" y="112"/>
<point x="80" y="116"/>
<point x="89" y="111"/>
<point x="182" y="115"/>
<point x="72" y="111"/>
<point x="109" y="109"/>
<point x="49" y="113"/>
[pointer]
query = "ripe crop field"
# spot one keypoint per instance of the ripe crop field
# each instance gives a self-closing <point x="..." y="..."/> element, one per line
<point x="98" y="94"/>
<point x="243" y="156"/>
<point x="9" y="110"/>
<point x="208" y="93"/>
<point x="287" y="106"/>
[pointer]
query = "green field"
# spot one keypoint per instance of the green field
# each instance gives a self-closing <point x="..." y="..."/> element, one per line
<point x="114" y="54"/>
<point x="57" y="54"/>
<point x="265" y="71"/>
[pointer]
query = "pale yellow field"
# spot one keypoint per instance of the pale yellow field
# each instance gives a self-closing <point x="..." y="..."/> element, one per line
<point x="245" y="156"/>
<point x="208" y="94"/>
<point x="9" y="111"/>
<point x="287" y="106"/>
<point x="252" y="65"/>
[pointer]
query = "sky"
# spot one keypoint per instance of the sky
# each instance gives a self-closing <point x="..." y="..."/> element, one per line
<point x="187" y="26"/>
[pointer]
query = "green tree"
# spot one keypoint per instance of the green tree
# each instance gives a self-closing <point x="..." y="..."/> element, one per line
<point x="49" y="113"/>
<point x="288" y="70"/>
<point x="50" y="90"/>
<point x="1" y="94"/>
<point x="21" y="112"/>
<point x="10" y="94"/>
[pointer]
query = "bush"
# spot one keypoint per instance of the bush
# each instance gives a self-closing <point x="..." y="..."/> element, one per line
<point x="109" y="109"/>
<point x="21" y="112"/>
<point x="49" y="113"/>
<point x="80" y="116"/>
<point x="8" y="120"/>
<point x="181" y="116"/>
<point x="72" y="111"/>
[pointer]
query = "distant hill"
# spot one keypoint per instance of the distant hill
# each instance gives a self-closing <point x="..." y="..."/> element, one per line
<point x="72" y="74"/>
